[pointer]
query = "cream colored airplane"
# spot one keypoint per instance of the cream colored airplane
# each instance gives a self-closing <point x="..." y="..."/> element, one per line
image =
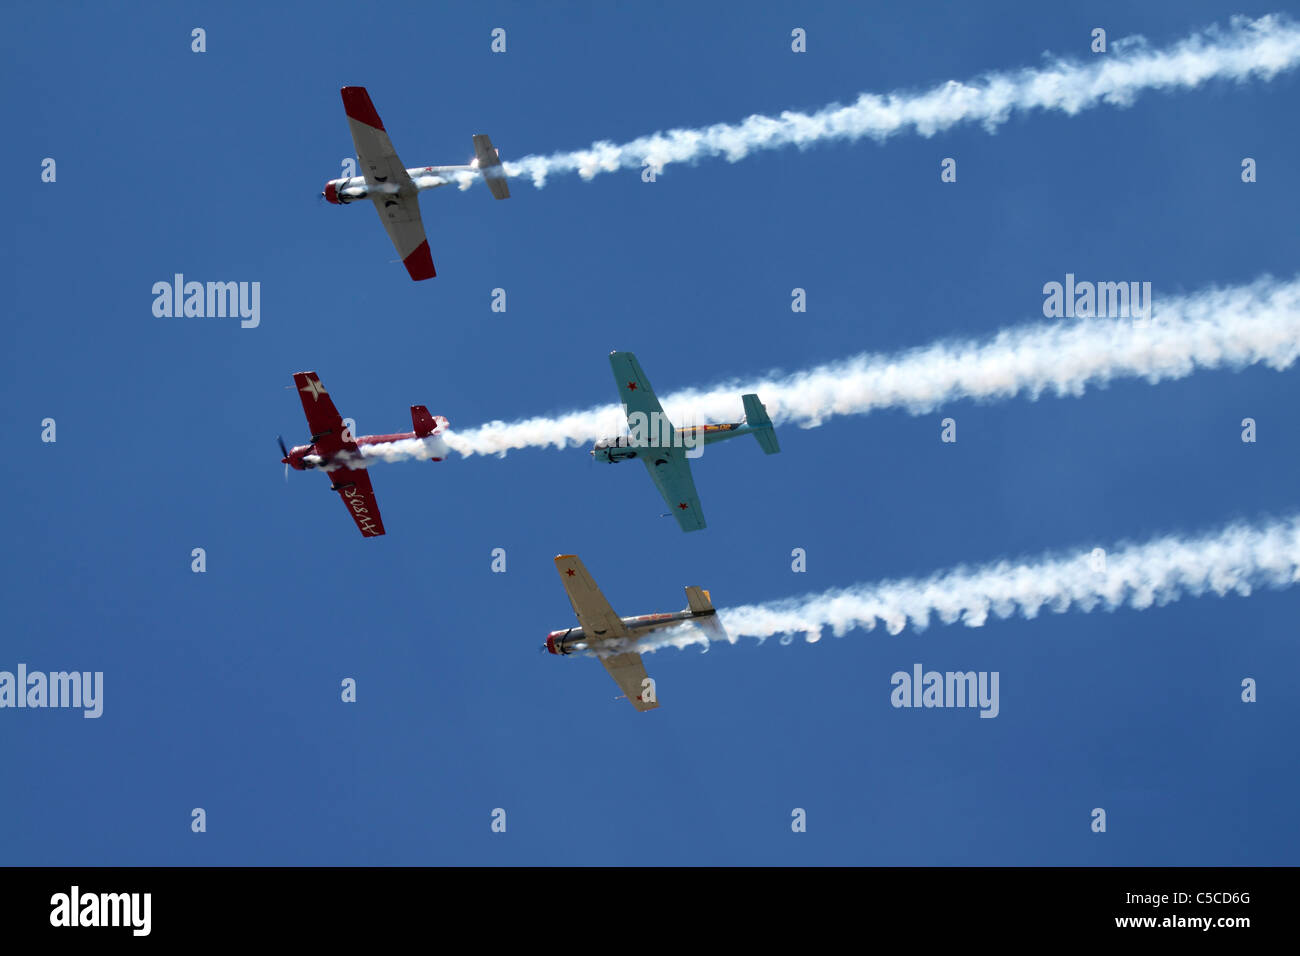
<point x="599" y="627"/>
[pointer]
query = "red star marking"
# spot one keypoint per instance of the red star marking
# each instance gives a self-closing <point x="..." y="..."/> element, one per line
<point x="570" y="572"/>
<point x="631" y="386"/>
<point x="683" y="506"/>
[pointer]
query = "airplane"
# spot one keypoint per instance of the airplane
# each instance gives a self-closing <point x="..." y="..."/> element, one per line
<point x="395" y="190"/>
<point x="598" y="625"/>
<point x="332" y="449"/>
<point x="663" y="448"/>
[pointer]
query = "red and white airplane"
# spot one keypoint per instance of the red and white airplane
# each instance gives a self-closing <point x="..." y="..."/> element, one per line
<point x="394" y="189"/>
<point x="333" y="450"/>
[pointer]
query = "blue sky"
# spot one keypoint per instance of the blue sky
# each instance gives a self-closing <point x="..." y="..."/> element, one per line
<point x="222" y="688"/>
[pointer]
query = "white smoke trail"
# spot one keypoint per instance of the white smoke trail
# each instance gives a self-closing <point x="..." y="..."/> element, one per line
<point x="1234" y="560"/>
<point x="1215" y="328"/>
<point x="404" y="449"/>
<point x="1247" y="49"/>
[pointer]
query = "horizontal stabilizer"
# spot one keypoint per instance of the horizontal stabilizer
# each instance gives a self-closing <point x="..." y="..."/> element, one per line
<point x="698" y="599"/>
<point x="756" y="418"/>
<point x="489" y="164"/>
<point x="422" y="422"/>
<point x="425" y="424"/>
<point x="706" y="618"/>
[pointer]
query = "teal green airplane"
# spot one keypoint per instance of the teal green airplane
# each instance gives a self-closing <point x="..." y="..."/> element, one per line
<point x="665" y="449"/>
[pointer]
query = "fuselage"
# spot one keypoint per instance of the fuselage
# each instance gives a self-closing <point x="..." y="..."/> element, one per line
<point x="304" y="457"/>
<point x="640" y="443"/>
<point x="568" y="640"/>
<point x="342" y="191"/>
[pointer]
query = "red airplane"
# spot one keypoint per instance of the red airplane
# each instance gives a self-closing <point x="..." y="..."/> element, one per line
<point x="334" y="450"/>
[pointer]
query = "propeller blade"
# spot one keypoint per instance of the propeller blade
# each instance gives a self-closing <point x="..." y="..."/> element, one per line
<point x="286" y="472"/>
<point x="284" y="450"/>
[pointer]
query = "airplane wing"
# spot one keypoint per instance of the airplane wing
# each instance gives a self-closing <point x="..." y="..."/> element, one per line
<point x="667" y="465"/>
<point x="628" y="672"/>
<point x="633" y="387"/>
<point x="324" y="420"/>
<point x="598" y="620"/>
<point x="395" y="196"/>
<point x="353" y="486"/>
<point x="672" y="476"/>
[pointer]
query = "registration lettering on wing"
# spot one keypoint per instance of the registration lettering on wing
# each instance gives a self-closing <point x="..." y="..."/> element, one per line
<point x="357" y="502"/>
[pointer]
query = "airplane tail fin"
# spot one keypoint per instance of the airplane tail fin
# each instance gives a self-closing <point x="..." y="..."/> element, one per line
<point x="756" y="417"/>
<point x="698" y="599"/>
<point x="425" y="424"/>
<point x="489" y="164"/>
<point x="706" y="618"/>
